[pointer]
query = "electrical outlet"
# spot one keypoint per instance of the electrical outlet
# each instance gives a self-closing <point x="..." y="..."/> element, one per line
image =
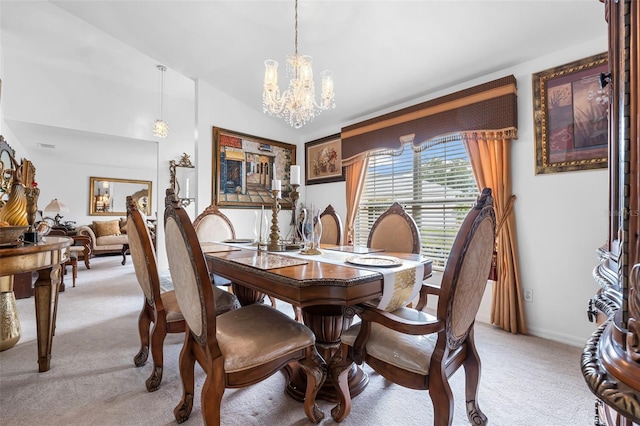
<point x="528" y="295"/>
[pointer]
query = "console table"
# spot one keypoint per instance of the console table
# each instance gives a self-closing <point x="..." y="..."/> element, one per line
<point x="46" y="258"/>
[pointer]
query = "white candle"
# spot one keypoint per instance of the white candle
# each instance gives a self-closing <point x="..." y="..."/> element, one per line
<point x="295" y="175"/>
<point x="260" y="234"/>
<point x="186" y="191"/>
<point x="277" y="185"/>
<point x="273" y="176"/>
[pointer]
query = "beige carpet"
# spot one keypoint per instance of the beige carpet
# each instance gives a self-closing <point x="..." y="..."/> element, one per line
<point x="93" y="381"/>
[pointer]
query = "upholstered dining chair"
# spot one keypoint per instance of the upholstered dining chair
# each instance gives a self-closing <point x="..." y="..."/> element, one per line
<point x="395" y="231"/>
<point x="331" y="227"/>
<point x="238" y="348"/>
<point x="160" y="307"/>
<point x="213" y="225"/>
<point x="417" y="350"/>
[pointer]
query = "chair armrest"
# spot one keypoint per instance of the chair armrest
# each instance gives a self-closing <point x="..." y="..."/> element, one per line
<point x="87" y="232"/>
<point x="400" y="324"/>
<point x="83" y="240"/>
<point x="425" y="291"/>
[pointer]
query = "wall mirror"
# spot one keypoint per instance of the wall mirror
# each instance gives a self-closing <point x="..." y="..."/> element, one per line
<point x="108" y="196"/>
<point x="182" y="179"/>
<point x="7" y="154"/>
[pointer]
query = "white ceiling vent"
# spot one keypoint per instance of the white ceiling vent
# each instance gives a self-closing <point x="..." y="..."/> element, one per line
<point x="46" y="146"/>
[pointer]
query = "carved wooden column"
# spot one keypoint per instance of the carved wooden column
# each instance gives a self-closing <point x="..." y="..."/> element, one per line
<point x="611" y="358"/>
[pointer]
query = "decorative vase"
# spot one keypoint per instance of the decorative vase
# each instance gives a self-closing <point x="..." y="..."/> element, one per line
<point x="311" y="231"/>
<point x="15" y="210"/>
<point x="9" y="321"/>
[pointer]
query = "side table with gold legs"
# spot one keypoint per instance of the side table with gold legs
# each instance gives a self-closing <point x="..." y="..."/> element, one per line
<point x="45" y="257"/>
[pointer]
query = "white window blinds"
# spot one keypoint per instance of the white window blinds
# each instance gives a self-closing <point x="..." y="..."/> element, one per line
<point x="435" y="186"/>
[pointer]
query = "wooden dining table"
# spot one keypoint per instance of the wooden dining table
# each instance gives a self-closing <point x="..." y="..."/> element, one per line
<point x="324" y="290"/>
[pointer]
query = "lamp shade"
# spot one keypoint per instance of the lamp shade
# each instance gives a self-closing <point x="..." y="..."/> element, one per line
<point x="56" y="206"/>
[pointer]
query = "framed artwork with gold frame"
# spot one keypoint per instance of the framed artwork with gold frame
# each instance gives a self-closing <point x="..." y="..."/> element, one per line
<point x="244" y="167"/>
<point x="570" y="111"/>
<point x="323" y="159"/>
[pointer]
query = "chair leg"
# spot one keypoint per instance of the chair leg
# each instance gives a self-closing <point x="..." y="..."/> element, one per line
<point x="441" y="396"/>
<point x="187" y="366"/>
<point x="472" y="380"/>
<point x="144" y="322"/>
<point x="74" y="269"/>
<point x="157" y="341"/>
<point x="316" y="370"/>
<point x="273" y="301"/>
<point x="339" y="367"/>
<point x="212" y="391"/>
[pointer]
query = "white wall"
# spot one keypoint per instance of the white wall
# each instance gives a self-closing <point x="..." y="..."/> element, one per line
<point x="113" y="97"/>
<point x="561" y="218"/>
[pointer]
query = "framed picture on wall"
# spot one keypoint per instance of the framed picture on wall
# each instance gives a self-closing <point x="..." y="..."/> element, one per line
<point x="323" y="159"/>
<point x="570" y="111"/>
<point x="244" y="167"/>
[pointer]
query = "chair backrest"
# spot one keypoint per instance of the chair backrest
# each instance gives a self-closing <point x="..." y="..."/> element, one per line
<point x="331" y="227"/>
<point x="189" y="272"/>
<point x="143" y="255"/>
<point x="467" y="270"/>
<point x="213" y="225"/>
<point x="395" y="231"/>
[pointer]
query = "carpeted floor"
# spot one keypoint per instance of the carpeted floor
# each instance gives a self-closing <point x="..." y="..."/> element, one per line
<point x="93" y="381"/>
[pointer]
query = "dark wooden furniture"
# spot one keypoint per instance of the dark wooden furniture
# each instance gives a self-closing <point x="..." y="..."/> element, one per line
<point x="332" y="230"/>
<point x="419" y="351"/>
<point x="238" y="348"/>
<point x="611" y="358"/>
<point x="395" y="230"/>
<point x="323" y="290"/>
<point x="46" y="258"/>
<point x="80" y="249"/>
<point x="23" y="285"/>
<point x="213" y="225"/>
<point x="159" y="308"/>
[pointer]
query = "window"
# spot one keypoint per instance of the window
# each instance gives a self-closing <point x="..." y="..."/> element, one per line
<point x="435" y="186"/>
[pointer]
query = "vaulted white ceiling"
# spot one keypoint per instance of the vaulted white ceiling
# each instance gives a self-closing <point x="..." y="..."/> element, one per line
<point x="383" y="53"/>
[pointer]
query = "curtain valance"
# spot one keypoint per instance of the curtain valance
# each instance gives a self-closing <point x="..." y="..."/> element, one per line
<point x="488" y="107"/>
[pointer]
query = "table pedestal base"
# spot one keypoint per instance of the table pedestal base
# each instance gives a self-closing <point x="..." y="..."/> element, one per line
<point x="327" y="323"/>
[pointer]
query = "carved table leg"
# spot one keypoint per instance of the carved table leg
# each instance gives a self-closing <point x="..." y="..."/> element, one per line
<point x="46" y="299"/>
<point x="327" y="323"/>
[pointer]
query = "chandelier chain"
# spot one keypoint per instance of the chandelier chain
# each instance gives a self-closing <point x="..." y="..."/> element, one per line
<point x="296" y="28"/>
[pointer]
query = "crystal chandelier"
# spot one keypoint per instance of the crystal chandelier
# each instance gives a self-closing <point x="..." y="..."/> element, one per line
<point x="297" y="105"/>
<point x="161" y="127"/>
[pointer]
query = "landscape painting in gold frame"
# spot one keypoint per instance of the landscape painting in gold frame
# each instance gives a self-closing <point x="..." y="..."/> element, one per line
<point x="243" y="169"/>
<point x="570" y="111"/>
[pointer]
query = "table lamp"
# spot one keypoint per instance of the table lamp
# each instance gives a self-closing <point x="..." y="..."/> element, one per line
<point x="56" y="207"/>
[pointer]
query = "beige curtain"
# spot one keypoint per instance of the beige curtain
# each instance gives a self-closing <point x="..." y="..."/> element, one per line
<point x="490" y="159"/>
<point x="355" y="172"/>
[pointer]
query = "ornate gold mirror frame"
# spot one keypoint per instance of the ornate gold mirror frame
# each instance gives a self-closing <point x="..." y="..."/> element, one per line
<point x="108" y="196"/>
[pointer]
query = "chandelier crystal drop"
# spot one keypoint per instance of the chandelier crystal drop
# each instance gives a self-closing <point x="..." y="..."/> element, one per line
<point x="297" y="105"/>
<point x="161" y="127"/>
